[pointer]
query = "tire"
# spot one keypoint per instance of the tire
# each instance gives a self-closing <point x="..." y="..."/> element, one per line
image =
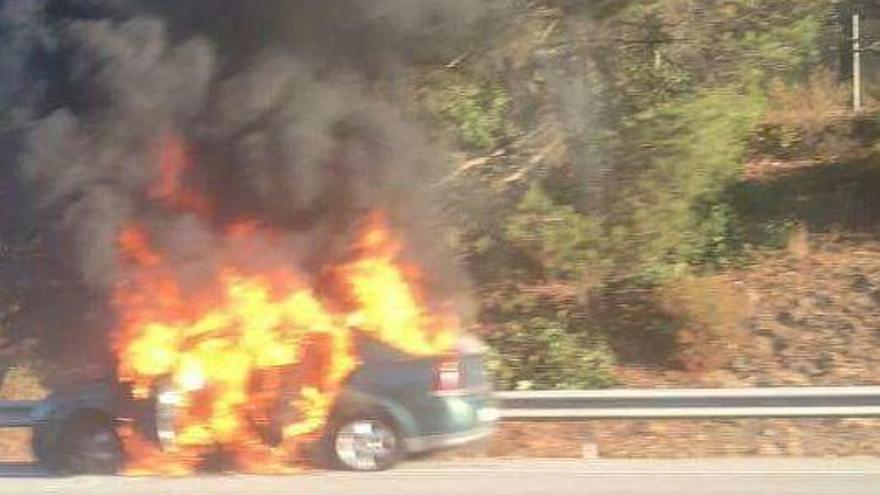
<point x="90" y="445"/>
<point x="41" y="438"/>
<point x="364" y="443"/>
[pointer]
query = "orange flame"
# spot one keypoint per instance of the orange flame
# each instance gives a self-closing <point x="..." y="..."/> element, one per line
<point x="226" y="348"/>
<point x="389" y="307"/>
<point x="174" y="162"/>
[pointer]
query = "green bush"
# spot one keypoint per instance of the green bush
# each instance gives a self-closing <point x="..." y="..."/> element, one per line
<point x="721" y="239"/>
<point x="564" y="242"/>
<point x="473" y="111"/>
<point x="676" y="214"/>
<point x="542" y="353"/>
<point x="479" y="114"/>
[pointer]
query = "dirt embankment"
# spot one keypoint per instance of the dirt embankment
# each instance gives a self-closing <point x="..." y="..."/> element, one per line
<point x="814" y="320"/>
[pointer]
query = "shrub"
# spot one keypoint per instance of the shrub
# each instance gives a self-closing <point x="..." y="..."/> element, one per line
<point x="21" y="382"/>
<point x="542" y="353"/>
<point x="708" y="314"/>
<point x="562" y="241"/>
<point x="808" y="105"/>
<point x="806" y="119"/>
<point x="475" y="112"/>
<point x="675" y="215"/>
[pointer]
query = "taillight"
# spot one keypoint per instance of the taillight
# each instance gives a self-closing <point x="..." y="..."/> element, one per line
<point x="447" y="375"/>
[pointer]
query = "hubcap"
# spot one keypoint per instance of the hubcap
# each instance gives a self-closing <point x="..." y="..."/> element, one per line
<point x="365" y="445"/>
<point x="97" y="451"/>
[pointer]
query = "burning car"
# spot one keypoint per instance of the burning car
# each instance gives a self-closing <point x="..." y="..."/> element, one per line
<point x="260" y="242"/>
<point x="391" y="406"/>
<point x="258" y="369"/>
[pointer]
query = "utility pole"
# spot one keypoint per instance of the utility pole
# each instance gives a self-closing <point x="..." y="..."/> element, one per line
<point x="857" y="63"/>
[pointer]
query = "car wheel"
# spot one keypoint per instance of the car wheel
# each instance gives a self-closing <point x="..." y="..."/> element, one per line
<point x="42" y="450"/>
<point x="364" y="443"/>
<point x="90" y="445"/>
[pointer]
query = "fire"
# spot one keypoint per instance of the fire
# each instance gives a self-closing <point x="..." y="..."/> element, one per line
<point x="248" y="341"/>
<point x="388" y="305"/>
<point x="170" y="188"/>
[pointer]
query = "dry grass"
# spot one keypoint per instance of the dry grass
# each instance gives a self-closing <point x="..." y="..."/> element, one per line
<point x="19" y="383"/>
<point x="22" y="382"/>
<point x="15" y="445"/>
<point x="709" y="313"/>
<point x="809" y="119"/>
<point x="809" y="105"/>
<point x="798" y="241"/>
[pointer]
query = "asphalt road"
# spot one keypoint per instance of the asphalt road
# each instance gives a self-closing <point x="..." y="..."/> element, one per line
<point x="509" y="477"/>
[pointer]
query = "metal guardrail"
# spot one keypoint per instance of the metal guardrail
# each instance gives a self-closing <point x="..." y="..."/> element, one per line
<point x="819" y="402"/>
<point x="17" y="413"/>
<point x="822" y="402"/>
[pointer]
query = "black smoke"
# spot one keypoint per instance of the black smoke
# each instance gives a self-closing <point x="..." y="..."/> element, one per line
<point x="290" y="109"/>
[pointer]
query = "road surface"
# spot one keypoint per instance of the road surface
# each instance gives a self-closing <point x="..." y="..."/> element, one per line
<point x="491" y="477"/>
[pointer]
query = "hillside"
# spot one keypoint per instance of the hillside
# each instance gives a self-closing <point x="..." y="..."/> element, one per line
<point x="811" y="305"/>
<point x="813" y="320"/>
<point x="658" y="192"/>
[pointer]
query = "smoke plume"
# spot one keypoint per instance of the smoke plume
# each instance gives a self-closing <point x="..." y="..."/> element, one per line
<point x="287" y="112"/>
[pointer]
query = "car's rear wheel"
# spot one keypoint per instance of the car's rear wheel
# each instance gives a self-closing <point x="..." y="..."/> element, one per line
<point x="90" y="445"/>
<point x="365" y="443"/>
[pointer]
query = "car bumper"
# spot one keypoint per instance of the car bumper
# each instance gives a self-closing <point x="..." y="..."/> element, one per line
<point x="415" y="445"/>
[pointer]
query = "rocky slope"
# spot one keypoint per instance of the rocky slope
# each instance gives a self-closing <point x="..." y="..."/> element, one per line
<point x="814" y="320"/>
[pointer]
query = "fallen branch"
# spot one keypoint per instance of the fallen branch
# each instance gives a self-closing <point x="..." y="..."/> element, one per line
<point x="533" y="161"/>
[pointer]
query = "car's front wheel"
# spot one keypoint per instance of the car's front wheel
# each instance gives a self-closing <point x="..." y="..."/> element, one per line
<point x="364" y="443"/>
